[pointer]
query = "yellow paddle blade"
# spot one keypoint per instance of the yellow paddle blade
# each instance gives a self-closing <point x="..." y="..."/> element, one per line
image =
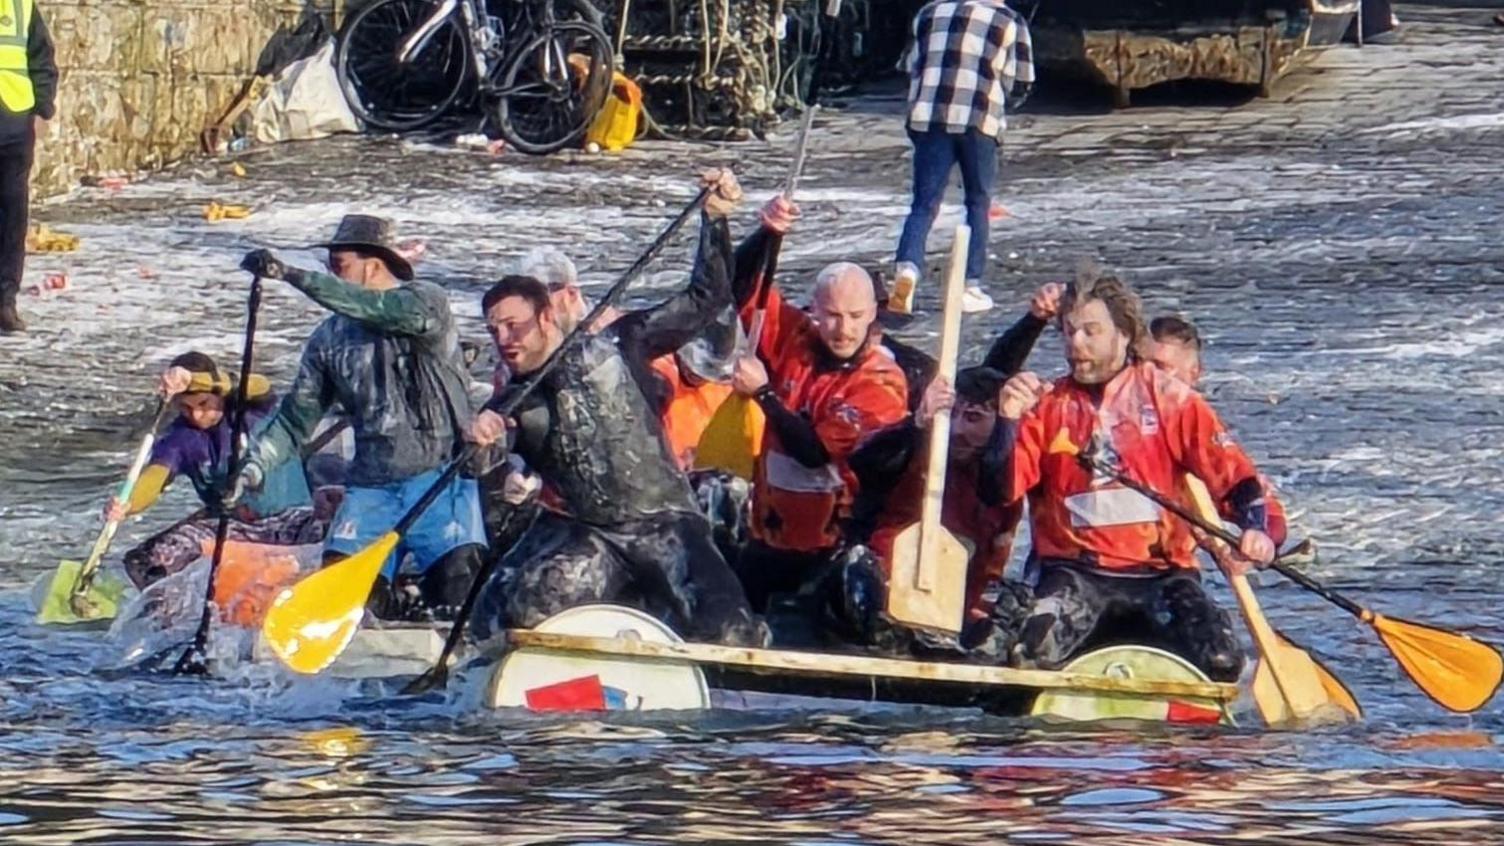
<point x="311" y="623"/>
<point x="53" y="600"/>
<point x="733" y="438"/>
<point x="1458" y="672"/>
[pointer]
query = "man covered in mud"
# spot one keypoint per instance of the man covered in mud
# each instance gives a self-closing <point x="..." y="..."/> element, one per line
<point x="824" y="384"/>
<point x="388" y="360"/>
<point x="197" y="446"/>
<point x="632" y="533"/>
<point x="691" y="382"/>
<point x="1113" y="564"/>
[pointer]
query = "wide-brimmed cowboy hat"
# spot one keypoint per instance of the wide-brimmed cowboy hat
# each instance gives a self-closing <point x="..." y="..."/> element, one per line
<point x="372" y="234"/>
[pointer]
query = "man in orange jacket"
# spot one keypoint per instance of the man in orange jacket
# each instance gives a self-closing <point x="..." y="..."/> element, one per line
<point x="1110" y="557"/>
<point x="824" y="385"/>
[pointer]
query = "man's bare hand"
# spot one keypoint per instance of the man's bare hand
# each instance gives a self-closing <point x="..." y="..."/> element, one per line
<point x="939" y="398"/>
<point x="1019" y="395"/>
<point x="725" y="192"/>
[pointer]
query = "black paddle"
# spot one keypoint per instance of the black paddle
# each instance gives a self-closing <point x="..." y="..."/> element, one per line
<point x="193" y="661"/>
<point x="438" y="675"/>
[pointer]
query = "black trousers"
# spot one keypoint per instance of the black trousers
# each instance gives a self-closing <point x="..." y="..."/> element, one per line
<point x="665" y="565"/>
<point x="15" y="198"/>
<point x="1077" y="609"/>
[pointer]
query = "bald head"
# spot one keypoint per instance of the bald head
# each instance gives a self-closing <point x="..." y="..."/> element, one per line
<point x="844" y="307"/>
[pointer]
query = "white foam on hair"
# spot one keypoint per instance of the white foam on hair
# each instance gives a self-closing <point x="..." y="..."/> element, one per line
<point x="549" y="266"/>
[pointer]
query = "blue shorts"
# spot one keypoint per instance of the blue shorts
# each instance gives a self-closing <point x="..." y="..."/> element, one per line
<point x="452" y="521"/>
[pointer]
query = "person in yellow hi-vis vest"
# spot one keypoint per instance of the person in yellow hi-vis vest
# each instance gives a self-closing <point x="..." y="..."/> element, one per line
<point x="28" y="87"/>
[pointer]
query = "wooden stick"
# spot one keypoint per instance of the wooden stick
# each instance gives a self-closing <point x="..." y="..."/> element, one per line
<point x="820" y="663"/>
<point x="934" y="476"/>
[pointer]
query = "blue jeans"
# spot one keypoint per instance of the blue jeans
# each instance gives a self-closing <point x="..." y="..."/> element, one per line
<point x="935" y="153"/>
<point x="452" y="521"/>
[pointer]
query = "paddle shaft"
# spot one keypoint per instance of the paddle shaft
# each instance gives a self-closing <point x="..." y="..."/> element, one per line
<point x="192" y="661"/>
<point x="774" y="244"/>
<point x="939" y="434"/>
<point x="102" y="543"/>
<point x="1253" y="615"/>
<point x="1230" y="539"/>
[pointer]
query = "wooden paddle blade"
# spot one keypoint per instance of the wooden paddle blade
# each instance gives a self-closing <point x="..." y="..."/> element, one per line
<point x="311" y="623"/>
<point x="733" y="438"/>
<point x="1458" y="672"/>
<point x="934" y="596"/>
<point x="1318" y="695"/>
<point x="1337" y="692"/>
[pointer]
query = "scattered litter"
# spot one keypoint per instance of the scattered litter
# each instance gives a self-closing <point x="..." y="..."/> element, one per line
<point x="998" y="212"/>
<point x="238" y="170"/>
<point x="479" y="142"/>
<point x="40" y="239"/>
<point x="145" y="272"/>
<point x="217" y="211"/>
<point x="50" y="283"/>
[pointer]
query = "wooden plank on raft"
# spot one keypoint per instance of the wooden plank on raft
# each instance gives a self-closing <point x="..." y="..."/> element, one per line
<point x="822" y="663"/>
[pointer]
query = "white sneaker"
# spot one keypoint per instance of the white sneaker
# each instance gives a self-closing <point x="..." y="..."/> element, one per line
<point x="975" y="300"/>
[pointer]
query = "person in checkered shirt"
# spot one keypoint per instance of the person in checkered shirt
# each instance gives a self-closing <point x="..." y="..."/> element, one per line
<point x="968" y="57"/>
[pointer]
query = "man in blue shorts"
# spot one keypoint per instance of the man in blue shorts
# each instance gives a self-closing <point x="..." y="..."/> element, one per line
<point x="388" y="360"/>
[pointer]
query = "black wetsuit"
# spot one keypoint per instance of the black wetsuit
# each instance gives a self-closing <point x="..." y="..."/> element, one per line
<point x="634" y="534"/>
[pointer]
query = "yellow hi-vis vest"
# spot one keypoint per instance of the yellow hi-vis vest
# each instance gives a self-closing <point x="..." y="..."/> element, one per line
<point x="15" y="76"/>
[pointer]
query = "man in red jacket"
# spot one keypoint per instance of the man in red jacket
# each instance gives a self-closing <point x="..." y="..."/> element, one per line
<point x="824" y="384"/>
<point x="1112" y="562"/>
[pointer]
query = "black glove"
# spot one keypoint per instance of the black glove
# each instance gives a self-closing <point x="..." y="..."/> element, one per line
<point x="263" y="264"/>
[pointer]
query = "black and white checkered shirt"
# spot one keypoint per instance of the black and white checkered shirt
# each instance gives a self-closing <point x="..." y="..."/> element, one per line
<point x="968" y="55"/>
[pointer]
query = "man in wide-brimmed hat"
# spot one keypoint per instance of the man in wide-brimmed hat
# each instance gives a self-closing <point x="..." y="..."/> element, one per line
<point x="388" y="359"/>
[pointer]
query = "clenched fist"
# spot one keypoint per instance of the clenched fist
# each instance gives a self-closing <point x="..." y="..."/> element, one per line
<point x="1019" y="395"/>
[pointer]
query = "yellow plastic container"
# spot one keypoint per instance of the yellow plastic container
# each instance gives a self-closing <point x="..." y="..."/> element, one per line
<point x="615" y="126"/>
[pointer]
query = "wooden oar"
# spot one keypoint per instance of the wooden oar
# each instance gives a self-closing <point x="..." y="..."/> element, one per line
<point x="194" y="660"/>
<point x="928" y="583"/>
<point x="1456" y="671"/>
<point x="310" y="623"/>
<point x="1288" y="686"/>
<point x="75" y="581"/>
<point x="860" y="665"/>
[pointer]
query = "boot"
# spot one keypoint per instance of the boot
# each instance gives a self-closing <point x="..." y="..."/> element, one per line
<point x="10" y="320"/>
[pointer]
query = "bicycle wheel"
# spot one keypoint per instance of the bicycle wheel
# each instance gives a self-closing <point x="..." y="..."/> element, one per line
<point x="553" y="86"/>
<point x="393" y="95"/>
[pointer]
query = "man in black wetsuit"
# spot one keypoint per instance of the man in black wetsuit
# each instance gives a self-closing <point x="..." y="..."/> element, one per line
<point x="626" y="527"/>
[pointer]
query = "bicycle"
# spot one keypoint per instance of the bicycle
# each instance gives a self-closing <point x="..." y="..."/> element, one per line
<point x="544" y="71"/>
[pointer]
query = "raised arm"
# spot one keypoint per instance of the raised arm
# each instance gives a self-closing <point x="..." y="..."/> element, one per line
<point x="679" y="319"/>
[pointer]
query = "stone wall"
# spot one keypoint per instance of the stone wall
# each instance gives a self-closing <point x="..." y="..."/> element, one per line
<point x="140" y="78"/>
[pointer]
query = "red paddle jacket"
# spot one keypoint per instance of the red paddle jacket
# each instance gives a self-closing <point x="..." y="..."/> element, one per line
<point x="1151" y="427"/>
<point x="798" y="507"/>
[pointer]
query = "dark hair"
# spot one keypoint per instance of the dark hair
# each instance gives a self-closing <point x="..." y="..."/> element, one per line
<point x="1173" y="328"/>
<point x="1124" y="306"/>
<point x="526" y="287"/>
<point x="195" y="362"/>
<point x="979" y="385"/>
